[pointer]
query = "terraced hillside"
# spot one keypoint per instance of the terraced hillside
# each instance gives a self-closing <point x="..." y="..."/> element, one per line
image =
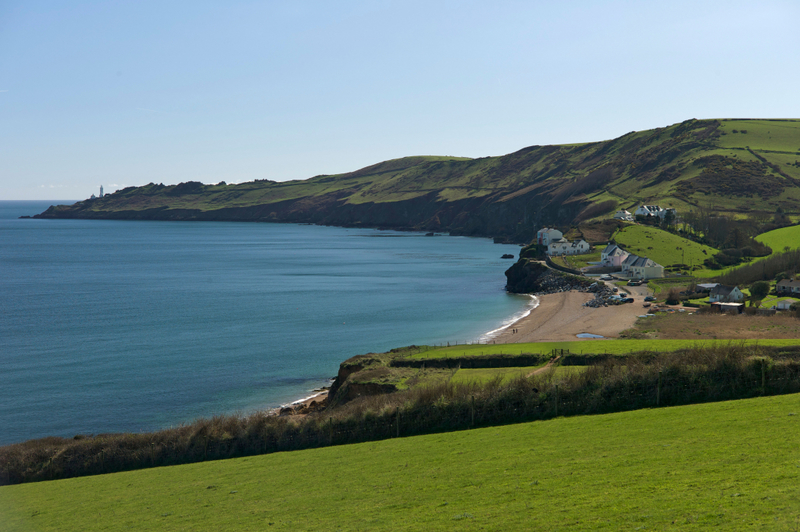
<point x="734" y="166"/>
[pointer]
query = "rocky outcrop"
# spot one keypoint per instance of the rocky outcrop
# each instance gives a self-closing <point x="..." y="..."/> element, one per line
<point x="534" y="277"/>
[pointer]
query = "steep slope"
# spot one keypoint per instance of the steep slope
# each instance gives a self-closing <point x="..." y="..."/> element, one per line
<point x="729" y="165"/>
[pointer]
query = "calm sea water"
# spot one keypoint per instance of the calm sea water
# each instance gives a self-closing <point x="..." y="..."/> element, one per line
<point x="111" y="326"/>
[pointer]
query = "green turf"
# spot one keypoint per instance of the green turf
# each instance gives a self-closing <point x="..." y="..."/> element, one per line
<point x="721" y="466"/>
<point x="609" y="346"/>
<point x="483" y="375"/>
<point x="781" y="239"/>
<point x="666" y="248"/>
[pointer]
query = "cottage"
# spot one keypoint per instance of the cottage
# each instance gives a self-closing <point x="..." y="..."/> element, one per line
<point x="725" y="294"/>
<point x="788" y="286"/>
<point x="628" y="261"/>
<point x="565" y="247"/>
<point x="644" y="268"/>
<point x="648" y="210"/>
<point x="623" y="215"/>
<point x="613" y="255"/>
<point x="547" y="235"/>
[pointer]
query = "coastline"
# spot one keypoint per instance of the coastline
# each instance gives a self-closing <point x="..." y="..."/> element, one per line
<point x="561" y="317"/>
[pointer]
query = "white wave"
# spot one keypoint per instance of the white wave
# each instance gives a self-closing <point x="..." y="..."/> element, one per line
<point x="511" y="321"/>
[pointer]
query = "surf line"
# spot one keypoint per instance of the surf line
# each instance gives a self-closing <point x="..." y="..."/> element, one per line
<point x="534" y="302"/>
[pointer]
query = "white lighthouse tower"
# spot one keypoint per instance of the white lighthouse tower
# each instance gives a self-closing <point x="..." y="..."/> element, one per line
<point x="101" y="191"/>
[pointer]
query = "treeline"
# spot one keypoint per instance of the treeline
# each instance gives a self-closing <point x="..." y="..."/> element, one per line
<point x="784" y="264"/>
<point x="612" y="385"/>
<point x="734" y="237"/>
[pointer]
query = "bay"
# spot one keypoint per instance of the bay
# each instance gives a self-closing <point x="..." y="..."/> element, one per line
<point x="111" y="326"/>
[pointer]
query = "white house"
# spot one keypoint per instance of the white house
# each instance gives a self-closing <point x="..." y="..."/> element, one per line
<point x="644" y="268"/>
<point x="628" y="261"/>
<point x="623" y="215"/>
<point x="547" y="235"/>
<point x="655" y="210"/>
<point x="788" y="286"/>
<point x="613" y="255"/>
<point x="725" y="294"/>
<point x="648" y="210"/>
<point x="565" y="247"/>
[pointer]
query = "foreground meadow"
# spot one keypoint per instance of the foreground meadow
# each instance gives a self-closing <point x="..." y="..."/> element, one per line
<point x="728" y="466"/>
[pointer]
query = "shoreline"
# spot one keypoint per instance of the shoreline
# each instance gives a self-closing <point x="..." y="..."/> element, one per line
<point x="562" y="316"/>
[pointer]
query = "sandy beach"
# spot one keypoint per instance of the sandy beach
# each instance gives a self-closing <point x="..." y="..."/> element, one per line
<point x="561" y="317"/>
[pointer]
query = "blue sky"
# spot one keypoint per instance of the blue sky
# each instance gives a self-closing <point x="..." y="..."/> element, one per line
<point x="125" y="93"/>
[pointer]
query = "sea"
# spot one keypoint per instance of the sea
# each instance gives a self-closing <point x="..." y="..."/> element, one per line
<point x="130" y="326"/>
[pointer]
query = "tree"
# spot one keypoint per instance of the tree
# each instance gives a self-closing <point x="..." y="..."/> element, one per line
<point x="758" y="291"/>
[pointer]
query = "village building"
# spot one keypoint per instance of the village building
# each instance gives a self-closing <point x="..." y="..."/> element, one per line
<point x="706" y="287"/>
<point x="627" y="262"/>
<point x="787" y="286"/>
<point x="728" y="308"/>
<point x="623" y="215"/>
<point x="786" y="304"/>
<point x="565" y="247"/>
<point x="648" y="210"/>
<point x="644" y="268"/>
<point x="613" y="255"/>
<point x="725" y="294"/>
<point x="547" y="235"/>
<point x="638" y="267"/>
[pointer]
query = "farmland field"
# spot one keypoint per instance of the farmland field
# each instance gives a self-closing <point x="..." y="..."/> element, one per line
<point x="728" y="466"/>
<point x="780" y="239"/>
<point x="666" y="248"/>
<point x="610" y="346"/>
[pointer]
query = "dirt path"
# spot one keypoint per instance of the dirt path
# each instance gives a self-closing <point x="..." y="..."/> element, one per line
<point x="543" y="368"/>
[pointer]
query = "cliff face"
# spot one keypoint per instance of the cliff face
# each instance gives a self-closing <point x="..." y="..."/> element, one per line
<point x="533" y="277"/>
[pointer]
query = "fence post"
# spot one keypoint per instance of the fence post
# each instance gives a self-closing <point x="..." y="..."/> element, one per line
<point x="330" y="431"/>
<point x="763" y="377"/>
<point x="397" y="420"/>
<point x="658" y="390"/>
<point x="556" y="400"/>
<point x="473" y="410"/>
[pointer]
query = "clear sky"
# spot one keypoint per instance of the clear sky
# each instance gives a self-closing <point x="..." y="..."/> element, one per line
<point x="123" y="93"/>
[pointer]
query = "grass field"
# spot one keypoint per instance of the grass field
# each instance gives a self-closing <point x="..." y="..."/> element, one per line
<point x="723" y="466"/>
<point x="610" y="346"/>
<point x="666" y="248"/>
<point x="780" y="239"/>
<point x="483" y="375"/>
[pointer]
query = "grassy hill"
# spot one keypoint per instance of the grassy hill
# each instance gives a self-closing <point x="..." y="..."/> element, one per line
<point x="728" y="466"/>
<point x="665" y="248"/>
<point x="736" y="166"/>
<point x="781" y="239"/>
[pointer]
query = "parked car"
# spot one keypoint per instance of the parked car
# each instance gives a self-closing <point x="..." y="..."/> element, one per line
<point x="627" y="300"/>
<point x="650" y="298"/>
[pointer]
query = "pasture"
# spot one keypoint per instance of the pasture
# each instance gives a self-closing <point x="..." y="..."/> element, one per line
<point x="780" y="239"/>
<point x="727" y="466"/>
<point x="608" y="346"/>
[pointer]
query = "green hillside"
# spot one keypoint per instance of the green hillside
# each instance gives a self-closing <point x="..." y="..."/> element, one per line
<point x="725" y="466"/>
<point x="734" y="166"/>
<point x="781" y="239"/>
<point x="665" y="248"/>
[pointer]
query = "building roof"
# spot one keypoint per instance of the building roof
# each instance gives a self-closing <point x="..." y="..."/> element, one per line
<point x="707" y="286"/>
<point x="643" y="262"/>
<point x="630" y="259"/>
<point x="722" y="290"/>
<point x="788" y="282"/>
